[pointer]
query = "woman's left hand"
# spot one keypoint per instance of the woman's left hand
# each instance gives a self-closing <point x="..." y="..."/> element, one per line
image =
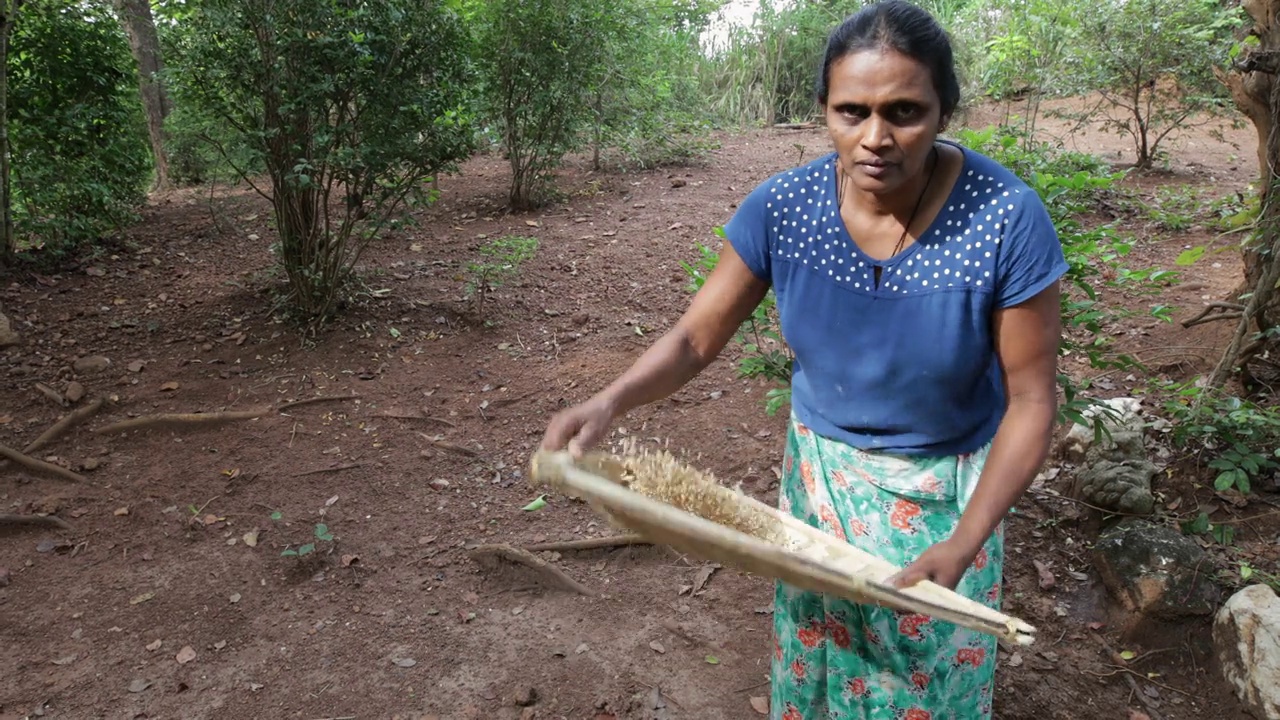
<point x="944" y="564"/>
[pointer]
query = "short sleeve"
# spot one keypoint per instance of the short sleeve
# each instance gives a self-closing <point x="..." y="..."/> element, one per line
<point x="1031" y="256"/>
<point x="748" y="232"/>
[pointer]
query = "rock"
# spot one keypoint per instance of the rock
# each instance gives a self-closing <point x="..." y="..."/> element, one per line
<point x="526" y="696"/>
<point x="4" y="577"/>
<point x="1115" y="474"/>
<point x="1246" y="636"/>
<point x="1080" y="437"/>
<point x="7" y="335"/>
<point x="91" y="464"/>
<point x="1155" y="571"/>
<point x="90" y="364"/>
<point x="74" y="392"/>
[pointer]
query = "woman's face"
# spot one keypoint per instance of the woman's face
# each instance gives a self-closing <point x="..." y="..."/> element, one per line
<point x="883" y="115"/>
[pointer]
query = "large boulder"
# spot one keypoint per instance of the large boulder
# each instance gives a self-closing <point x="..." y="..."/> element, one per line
<point x="1246" y="635"/>
<point x="1156" y="571"/>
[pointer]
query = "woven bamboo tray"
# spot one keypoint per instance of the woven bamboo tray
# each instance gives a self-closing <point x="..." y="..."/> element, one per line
<point x="671" y="503"/>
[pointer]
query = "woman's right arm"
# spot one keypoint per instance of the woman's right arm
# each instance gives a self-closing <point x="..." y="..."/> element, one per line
<point x="726" y="299"/>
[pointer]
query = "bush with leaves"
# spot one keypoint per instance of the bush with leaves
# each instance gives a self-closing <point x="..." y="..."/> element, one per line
<point x="538" y="60"/>
<point x="80" y="160"/>
<point x="350" y="107"/>
<point x="1154" y="63"/>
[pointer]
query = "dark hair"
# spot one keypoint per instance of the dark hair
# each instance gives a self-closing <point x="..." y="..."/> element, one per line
<point x="901" y="26"/>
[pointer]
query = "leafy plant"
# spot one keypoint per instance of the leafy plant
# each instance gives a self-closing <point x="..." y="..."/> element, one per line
<point x="79" y="154"/>
<point x="503" y="259"/>
<point x="351" y="107"/>
<point x="322" y="534"/>
<point x="1241" y="440"/>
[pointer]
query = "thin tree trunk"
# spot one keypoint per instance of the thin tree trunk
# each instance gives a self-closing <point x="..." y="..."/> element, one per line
<point x="135" y="16"/>
<point x="10" y="8"/>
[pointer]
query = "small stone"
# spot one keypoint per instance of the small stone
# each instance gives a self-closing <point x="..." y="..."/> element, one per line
<point x="90" y="364"/>
<point x="74" y="392"/>
<point x="91" y="464"/>
<point x="526" y="696"/>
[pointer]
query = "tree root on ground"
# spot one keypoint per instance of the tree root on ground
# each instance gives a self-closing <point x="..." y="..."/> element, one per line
<point x="182" y="420"/>
<point x="39" y="466"/>
<point x="9" y="520"/>
<point x="590" y="543"/>
<point x="523" y="557"/>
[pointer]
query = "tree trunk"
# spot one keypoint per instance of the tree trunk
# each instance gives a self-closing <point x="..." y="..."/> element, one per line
<point x="10" y="241"/>
<point x="135" y="16"/>
<point x="1255" y="87"/>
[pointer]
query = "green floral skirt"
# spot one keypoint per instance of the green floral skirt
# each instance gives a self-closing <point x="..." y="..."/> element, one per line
<point x="836" y="660"/>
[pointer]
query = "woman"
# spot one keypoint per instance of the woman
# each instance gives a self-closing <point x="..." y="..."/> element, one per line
<point x="917" y="283"/>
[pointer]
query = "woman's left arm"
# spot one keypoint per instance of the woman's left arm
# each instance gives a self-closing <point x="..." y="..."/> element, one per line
<point x="1026" y="343"/>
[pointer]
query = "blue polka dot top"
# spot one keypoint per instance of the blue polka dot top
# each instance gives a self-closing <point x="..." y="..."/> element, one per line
<point x="907" y="366"/>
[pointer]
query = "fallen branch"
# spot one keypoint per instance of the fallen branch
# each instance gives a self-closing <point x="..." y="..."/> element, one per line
<point x="335" y="468"/>
<point x="7" y="519"/>
<point x="311" y="401"/>
<point x="529" y="560"/>
<point x="176" y="421"/>
<point x="52" y="394"/>
<point x="589" y="543"/>
<point x="443" y="445"/>
<point x="405" y="416"/>
<point x="39" y="466"/>
<point x="1133" y="684"/>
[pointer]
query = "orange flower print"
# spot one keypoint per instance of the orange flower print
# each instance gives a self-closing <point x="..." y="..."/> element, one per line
<point x="930" y="484"/>
<point x="857" y="527"/>
<point x="902" y="513"/>
<point x="777" y="650"/>
<point x="994" y="593"/>
<point x="828" y="516"/>
<point x="811" y="637"/>
<point x="787" y="464"/>
<point x="980" y="562"/>
<point x="970" y="656"/>
<point x="801" y="430"/>
<point x="792" y="713"/>
<point x="839" y="479"/>
<point x="909" y="625"/>
<point x="920" y="680"/>
<point x="798" y="669"/>
<point x="918" y="714"/>
<point x="839" y="634"/>
<point x="857" y="687"/>
<point x="806" y="474"/>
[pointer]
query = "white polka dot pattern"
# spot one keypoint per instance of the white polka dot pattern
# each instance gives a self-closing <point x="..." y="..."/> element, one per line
<point x="956" y="250"/>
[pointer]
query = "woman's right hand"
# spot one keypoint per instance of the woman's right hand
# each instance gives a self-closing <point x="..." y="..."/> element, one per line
<point x="580" y="427"/>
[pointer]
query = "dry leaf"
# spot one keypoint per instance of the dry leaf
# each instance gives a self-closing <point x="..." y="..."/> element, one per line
<point x="220" y="644"/>
<point x="347" y="560"/>
<point x="210" y="519"/>
<point x="251" y="538"/>
<point x="6" y="419"/>
<point x="760" y="704"/>
<point x="657" y="647"/>
<point x="331" y="501"/>
<point x="235" y="597"/>
<point x="1046" y="577"/>
<point x="136" y="366"/>
<point x="704" y="574"/>
<point x="138" y="686"/>
<point x="141" y="598"/>
<point x="1015" y="660"/>
<point x="154" y="645"/>
<point x="170" y="386"/>
<point x="122" y="511"/>
<point x="185" y="655"/>
<point x="65" y="660"/>
<point x="405" y="662"/>
<point x="531" y="223"/>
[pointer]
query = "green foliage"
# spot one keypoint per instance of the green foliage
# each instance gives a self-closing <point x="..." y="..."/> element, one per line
<point x="502" y="260"/>
<point x="537" y="61"/>
<point x="321" y="533"/>
<point x="646" y="102"/>
<point x="350" y="107"/>
<point x="1241" y="440"/>
<point x="765" y="353"/>
<point x="80" y="158"/>
<point x="1154" y="62"/>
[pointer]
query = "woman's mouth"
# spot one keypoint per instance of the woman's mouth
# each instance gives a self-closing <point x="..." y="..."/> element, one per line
<point x="875" y="167"/>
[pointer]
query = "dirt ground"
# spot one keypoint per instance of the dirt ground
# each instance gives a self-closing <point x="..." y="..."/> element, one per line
<point x="169" y="596"/>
